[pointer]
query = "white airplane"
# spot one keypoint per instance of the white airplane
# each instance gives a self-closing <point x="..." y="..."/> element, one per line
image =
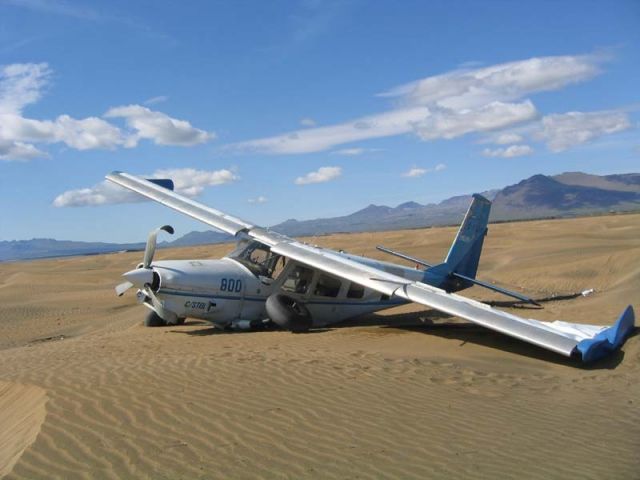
<point x="273" y="278"/>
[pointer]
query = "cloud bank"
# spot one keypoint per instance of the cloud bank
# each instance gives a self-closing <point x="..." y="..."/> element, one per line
<point x="24" y="84"/>
<point x="187" y="181"/>
<point x="446" y="106"/>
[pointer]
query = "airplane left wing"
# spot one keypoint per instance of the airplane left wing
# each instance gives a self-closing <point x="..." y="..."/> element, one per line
<point x="587" y="341"/>
<point x="178" y="202"/>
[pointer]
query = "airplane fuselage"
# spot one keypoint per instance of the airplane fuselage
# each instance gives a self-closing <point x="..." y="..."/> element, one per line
<point x="227" y="293"/>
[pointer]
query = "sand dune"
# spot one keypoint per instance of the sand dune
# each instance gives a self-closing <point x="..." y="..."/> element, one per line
<point x="394" y="395"/>
<point x="22" y="411"/>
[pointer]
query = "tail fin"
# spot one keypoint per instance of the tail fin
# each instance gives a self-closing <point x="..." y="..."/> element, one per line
<point x="464" y="254"/>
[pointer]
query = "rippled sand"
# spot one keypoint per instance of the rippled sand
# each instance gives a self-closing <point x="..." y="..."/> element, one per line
<point x="87" y="392"/>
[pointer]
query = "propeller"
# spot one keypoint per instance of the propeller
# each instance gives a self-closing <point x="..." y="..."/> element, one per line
<point x="150" y="249"/>
<point x="123" y="287"/>
<point x="143" y="275"/>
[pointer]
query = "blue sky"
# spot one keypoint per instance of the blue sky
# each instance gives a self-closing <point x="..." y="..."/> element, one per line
<point x="302" y="109"/>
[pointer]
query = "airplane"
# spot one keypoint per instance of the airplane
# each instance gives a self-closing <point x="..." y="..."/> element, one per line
<point x="271" y="278"/>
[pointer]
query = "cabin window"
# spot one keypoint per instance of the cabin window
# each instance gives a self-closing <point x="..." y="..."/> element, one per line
<point x="298" y="280"/>
<point x="355" y="291"/>
<point x="327" y="286"/>
<point x="384" y="297"/>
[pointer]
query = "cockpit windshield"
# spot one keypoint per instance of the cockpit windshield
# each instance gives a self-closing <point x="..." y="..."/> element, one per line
<point x="258" y="258"/>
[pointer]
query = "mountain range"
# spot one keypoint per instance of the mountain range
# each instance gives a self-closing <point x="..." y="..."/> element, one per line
<point x="540" y="196"/>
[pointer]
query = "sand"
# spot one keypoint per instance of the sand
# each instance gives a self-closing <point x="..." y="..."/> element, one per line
<point x="87" y="392"/>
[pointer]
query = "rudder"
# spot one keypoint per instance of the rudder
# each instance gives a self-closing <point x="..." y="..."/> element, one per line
<point x="464" y="254"/>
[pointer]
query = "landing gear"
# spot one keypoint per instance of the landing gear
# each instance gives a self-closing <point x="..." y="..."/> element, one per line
<point x="288" y="313"/>
<point x="154" y="320"/>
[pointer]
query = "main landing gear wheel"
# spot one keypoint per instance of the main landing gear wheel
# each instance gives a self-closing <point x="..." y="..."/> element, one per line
<point x="154" y="320"/>
<point x="288" y="313"/>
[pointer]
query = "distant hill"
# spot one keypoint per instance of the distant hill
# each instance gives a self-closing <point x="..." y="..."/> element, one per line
<point x="540" y="196"/>
<point x="198" y="238"/>
<point x="48" y="247"/>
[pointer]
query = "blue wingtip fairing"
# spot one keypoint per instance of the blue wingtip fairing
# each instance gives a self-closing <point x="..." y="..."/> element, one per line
<point x="163" y="182"/>
<point x="608" y="340"/>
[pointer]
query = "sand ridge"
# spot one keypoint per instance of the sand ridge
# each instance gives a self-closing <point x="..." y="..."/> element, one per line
<point x="393" y="395"/>
<point x="22" y="412"/>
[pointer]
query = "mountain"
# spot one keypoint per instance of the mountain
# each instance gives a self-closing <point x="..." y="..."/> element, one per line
<point x="568" y="194"/>
<point x="380" y="217"/>
<point x="540" y="196"/>
<point x="48" y="247"/>
<point x="198" y="238"/>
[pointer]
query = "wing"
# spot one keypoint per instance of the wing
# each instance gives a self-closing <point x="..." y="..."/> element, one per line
<point x="587" y="341"/>
<point x="182" y="204"/>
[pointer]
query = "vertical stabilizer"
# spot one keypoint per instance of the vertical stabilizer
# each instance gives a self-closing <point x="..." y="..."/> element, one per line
<point x="464" y="254"/>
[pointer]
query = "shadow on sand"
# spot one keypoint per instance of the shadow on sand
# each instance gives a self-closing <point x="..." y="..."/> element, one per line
<point x="436" y="323"/>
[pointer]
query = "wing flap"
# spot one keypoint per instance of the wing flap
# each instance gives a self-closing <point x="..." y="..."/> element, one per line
<point x="208" y="215"/>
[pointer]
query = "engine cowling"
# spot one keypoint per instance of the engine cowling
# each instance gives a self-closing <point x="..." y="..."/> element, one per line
<point x="288" y="313"/>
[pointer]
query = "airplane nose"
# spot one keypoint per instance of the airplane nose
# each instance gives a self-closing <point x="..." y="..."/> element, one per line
<point x="139" y="277"/>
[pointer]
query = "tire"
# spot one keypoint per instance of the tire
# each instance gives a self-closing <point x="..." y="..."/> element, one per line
<point x="154" y="320"/>
<point x="288" y="313"/>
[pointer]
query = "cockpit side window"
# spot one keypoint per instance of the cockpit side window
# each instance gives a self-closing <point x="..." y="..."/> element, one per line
<point x="258" y="258"/>
<point x="327" y="286"/>
<point x="298" y="280"/>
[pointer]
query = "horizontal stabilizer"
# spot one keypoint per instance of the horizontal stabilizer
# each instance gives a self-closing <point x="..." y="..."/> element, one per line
<point x="495" y="288"/>
<point x="475" y="281"/>
<point x="403" y="256"/>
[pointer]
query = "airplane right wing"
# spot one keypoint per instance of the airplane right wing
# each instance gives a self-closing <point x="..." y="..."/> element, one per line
<point x="590" y="342"/>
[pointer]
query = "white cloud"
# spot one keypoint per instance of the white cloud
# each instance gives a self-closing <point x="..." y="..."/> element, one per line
<point x="450" y="124"/>
<point x="19" y="151"/>
<point x="508" y="152"/>
<point x="84" y="134"/>
<point x="440" y="167"/>
<point x="562" y="131"/>
<point x="88" y="133"/>
<point x="445" y="106"/>
<point x="308" y="122"/>
<point x="507" y="138"/>
<point x="323" y="174"/>
<point x="461" y="89"/>
<point x="191" y="182"/>
<point x="22" y="84"/>
<point x="187" y="181"/>
<point x="258" y="200"/>
<point x="352" y="152"/>
<point x="419" y="172"/>
<point x="319" y="139"/>
<point x="159" y="127"/>
<point x="415" y="172"/>
<point x="156" y="100"/>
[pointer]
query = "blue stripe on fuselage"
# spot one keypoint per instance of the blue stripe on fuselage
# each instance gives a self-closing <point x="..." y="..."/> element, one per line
<point x="390" y="302"/>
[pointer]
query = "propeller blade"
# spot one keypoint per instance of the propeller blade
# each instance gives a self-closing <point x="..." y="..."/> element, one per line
<point x="150" y="249"/>
<point x="123" y="287"/>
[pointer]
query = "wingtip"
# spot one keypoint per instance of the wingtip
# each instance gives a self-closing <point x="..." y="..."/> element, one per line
<point x="609" y="339"/>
